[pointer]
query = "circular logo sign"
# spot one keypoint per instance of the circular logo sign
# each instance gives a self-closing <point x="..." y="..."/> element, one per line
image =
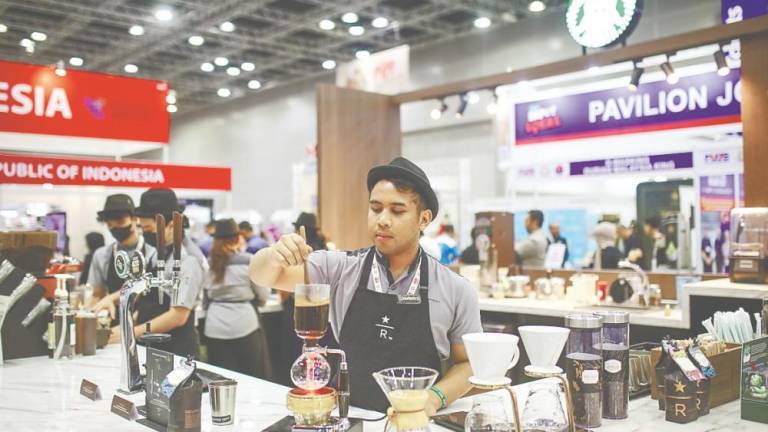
<point x="600" y="23"/>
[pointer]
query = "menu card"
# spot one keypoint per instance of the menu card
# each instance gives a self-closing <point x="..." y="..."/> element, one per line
<point x="754" y="380"/>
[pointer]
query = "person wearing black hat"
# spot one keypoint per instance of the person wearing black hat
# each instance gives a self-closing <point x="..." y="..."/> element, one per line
<point x="391" y="304"/>
<point x="167" y="313"/>
<point x="120" y="217"/>
<point x="232" y="329"/>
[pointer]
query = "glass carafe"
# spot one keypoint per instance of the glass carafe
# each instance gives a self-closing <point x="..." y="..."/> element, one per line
<point x="544" y="410"/>
<point x="488" y="415"/>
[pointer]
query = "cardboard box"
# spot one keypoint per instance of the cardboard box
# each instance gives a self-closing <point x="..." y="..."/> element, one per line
<point x="725" y="385"/>
<point x="21" y="239"/>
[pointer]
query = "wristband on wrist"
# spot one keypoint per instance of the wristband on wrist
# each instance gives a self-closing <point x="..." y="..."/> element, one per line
<point x="443" y="399"/>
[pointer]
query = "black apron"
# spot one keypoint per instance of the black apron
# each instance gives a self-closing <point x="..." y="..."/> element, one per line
<point x="380" y="333"/>
<point x="183" y="339"/>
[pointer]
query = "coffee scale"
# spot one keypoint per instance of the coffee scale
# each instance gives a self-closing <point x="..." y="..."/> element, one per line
<point x="543" y="344"/>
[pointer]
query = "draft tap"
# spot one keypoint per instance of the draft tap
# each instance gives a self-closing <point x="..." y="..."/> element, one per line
<point x="157" y="281"/>
<point x="133" y="269"/>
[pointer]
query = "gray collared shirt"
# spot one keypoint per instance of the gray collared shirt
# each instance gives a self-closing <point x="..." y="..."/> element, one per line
<point x="453" y="308"/>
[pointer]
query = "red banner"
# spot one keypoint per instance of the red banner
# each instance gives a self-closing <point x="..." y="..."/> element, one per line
<point x="20" y="169"/>
<point x="34" y="100"/>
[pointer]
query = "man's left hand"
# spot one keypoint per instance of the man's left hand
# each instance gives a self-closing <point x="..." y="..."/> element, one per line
<point x="433" y="404"/>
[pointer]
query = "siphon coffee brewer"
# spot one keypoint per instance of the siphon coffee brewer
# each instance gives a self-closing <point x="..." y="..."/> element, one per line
<point x="584" y="368"/>
<point x="615" y="348"/>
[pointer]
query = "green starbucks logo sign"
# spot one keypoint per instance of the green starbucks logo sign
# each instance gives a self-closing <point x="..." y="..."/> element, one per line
<point x="601" y="23"/>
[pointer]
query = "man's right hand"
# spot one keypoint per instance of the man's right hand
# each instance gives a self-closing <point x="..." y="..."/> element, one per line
<point x="106" y="303"/>
<point x="290" y="250"/>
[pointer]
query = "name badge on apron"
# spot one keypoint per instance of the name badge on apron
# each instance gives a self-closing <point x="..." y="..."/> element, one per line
<point x="411" y="297"/>
<point x="408" y="299"/>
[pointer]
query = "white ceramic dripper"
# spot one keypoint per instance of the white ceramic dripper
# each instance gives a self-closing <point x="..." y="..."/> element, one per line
<point x="543" y="345"/>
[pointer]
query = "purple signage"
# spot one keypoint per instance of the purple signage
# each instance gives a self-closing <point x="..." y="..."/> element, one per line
<point x="738" y="10"/>
<point x="697" y="100"/>
<point x="632" y="164"/>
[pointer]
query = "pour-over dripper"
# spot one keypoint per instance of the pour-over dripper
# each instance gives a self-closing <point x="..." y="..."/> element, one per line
<point x="544" y="344"/>
<point x="407" y="391"/>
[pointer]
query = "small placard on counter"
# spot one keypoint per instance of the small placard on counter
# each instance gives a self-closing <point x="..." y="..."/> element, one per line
<point x="90" y="390"/>
<point x="124" y="408"/>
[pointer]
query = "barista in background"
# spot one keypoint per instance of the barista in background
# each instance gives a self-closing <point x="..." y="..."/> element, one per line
<point x="93" y="241"/>
<point x="470" y="255"/>
<point x="609" y="255"/>
<point x="557" y="238"/>
<point x="652" y="227"/>
<point x="629" y="244"/>
<point x="449" y="249"/>
<point x="206" y="241"/>
<point x="233" y="332"/>
<point x="120" y="216"/>
<point x="166" y="313"/>
<point x="532" y="251"/>
<point x="253" y="242"/>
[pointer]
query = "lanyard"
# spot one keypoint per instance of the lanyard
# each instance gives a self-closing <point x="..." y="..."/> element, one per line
<point x="414" y="282"/>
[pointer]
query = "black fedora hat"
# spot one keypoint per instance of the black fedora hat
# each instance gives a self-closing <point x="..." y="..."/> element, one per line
<point x="402" y="168"/>
<point x="116" y="206"/>
<point x="225" y="228"/>
<point x="158" y="201"/>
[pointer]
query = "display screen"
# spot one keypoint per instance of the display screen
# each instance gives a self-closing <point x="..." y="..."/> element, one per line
<point x="57" y="221"/>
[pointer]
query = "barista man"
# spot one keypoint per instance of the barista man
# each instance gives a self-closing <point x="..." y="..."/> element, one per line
<point x="120" y="216"/>
<point x="391" y="304"/>
<point x="168" y="313"/>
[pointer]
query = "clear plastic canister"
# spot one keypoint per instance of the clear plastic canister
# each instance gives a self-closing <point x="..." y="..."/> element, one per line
<point x="615" y="348"/>
<point x="584" y="368"/>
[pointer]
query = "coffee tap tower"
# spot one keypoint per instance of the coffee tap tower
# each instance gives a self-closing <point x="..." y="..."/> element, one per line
<point x="139" y="283"/>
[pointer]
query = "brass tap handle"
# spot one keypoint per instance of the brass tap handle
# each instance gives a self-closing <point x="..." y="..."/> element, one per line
<point x="160" y="223"/>
<point x="178" y="228"/>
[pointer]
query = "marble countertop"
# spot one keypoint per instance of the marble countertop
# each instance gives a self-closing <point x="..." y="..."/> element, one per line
<point x="40" y="394"/>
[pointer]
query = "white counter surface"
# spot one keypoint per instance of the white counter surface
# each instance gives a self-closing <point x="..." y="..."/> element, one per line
<point x="40" y="394"/>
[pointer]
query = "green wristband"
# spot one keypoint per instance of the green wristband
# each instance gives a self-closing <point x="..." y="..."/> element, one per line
<point x="443" y="399"/>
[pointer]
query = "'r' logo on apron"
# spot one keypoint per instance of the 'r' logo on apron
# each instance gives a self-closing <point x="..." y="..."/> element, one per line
<point x="385" y="328"/>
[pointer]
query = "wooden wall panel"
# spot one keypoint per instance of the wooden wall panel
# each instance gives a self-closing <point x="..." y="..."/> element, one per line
<point x="356" y="131"/>
<point x="754" y="116"/>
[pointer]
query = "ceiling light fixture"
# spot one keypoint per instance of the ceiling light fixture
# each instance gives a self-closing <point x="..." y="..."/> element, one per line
<point x="131" y="68"/>
<point x="76" y="61"/>
<point x="462" y="105"/>
<point x="350" y="18"/>
<point x="196" y="40"/>
<point x="669" y="71"/>
<point x="227" y="26"/>
<point x="171" y="108"/>
<point x="28" y="44"/>
<point x="164" y="14"/>
<point x="3" y="28"/>
<point x="721" y="62"/>
<point x="329" y="64"/>
<point x="326" y="24"/>
<point x="220" y="61"/>
<point x="38" y="36"/>
<point x="537" y="6"/>
<point x="224" y="92"/>
<point x="380" y="22"/>
<point x="136" y="30"/>
<point x="634" y="79"/>
<point x="362" y="54"/>
<point x="248" y="66"/>
<point x="482" y="22"/>
<point x="170" y="98"/>
<point x="357" y="30"/>
<point x="493" y="106"/>
<point x="473" y="97"/>
<point x="207" y="67"/>
<point x="254" y="84"/>
<point x="233" y="71"/>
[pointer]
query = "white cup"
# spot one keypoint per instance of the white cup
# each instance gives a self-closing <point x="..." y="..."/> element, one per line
<point x="491" y="355"/>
